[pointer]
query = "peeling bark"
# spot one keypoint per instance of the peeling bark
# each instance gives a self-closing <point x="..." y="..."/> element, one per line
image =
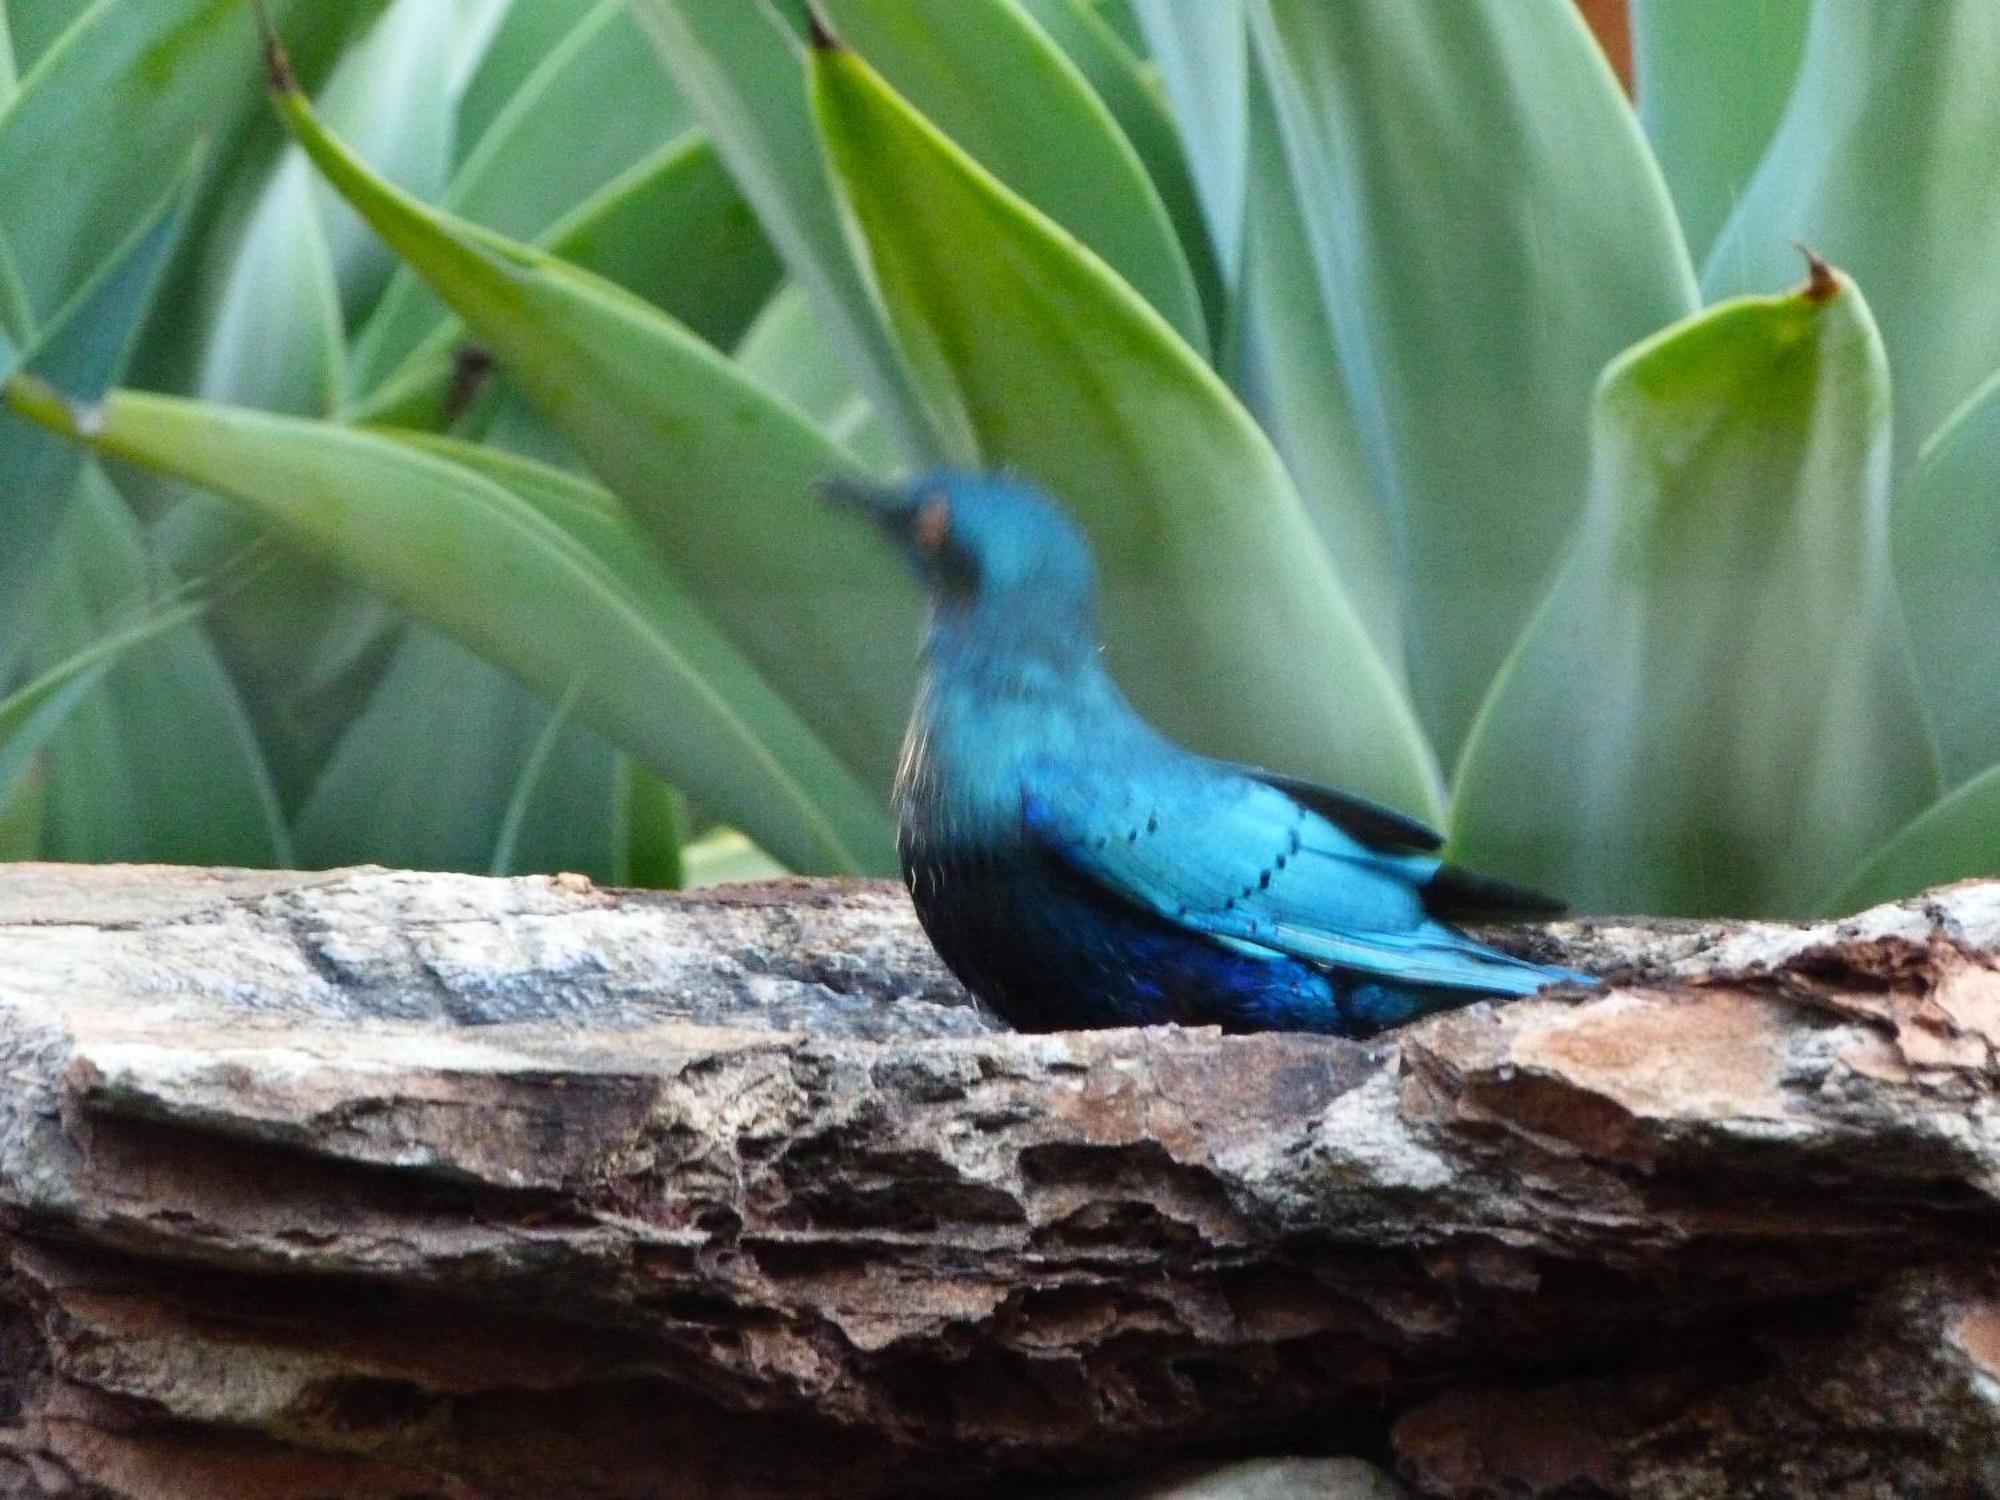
<point x="375" y="1184"/>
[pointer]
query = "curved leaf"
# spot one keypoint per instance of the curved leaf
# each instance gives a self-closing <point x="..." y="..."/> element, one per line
<point x="1957" y="838"/>
<point x="739" y="67"/>
<point x="788" y="351"/>
<point x="597" y="105"/>
<point x="1059" y="369"/>
<point x="161" y="766"/>
<point x="1712" y="83"/>
<point x="1947" y="538"/>
<point x="712" y="465"/>
<point x="994" y="83"/>
<point x="1884" y="162"/>
<point x="578" y="603"/>
<point x="1203" y="54"/>
<point x="1490" y="230"/>
<point x="1133" y="95"/>
<point x="1714" y="708"/>
<point x="454" y="765"/>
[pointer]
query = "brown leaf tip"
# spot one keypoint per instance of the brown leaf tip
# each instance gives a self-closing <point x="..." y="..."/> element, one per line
<point x="820" y="32"/>
<point x="278" y="72"/>
<point x="1821" y="281"/>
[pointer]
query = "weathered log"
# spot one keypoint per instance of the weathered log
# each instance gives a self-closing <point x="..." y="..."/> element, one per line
<point x="374" y="1184"/>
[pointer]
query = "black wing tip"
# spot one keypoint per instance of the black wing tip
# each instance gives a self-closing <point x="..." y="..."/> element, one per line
<point x="1456" y="893"/>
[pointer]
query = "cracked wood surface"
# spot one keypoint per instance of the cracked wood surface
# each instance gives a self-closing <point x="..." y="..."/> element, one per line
<point x="384" y="1184"/>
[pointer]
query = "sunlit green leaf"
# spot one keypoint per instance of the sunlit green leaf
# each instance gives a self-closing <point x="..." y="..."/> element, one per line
<point x="1006" y="95"/>
<point x="712" y="465"/>
<point x="1947" y="538"/>
<point x="543" y="576"/>
<point x="1956" y="839"/>
<point x="1225" y="617"/>
<point x="1490" y="230"/>
<point x="1712" y="82"/>
<point x="1714" y="711"/>
<point x="82" y="351"/>
<point x="1884" y="162"/>
<point x="598" y="105"/>
<point x="161" y="765"/>
<point x="454" y="765"/>
<point x="740" y="68"/>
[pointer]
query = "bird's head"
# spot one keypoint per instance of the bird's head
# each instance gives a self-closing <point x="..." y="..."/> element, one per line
<point x="980" y="538"/>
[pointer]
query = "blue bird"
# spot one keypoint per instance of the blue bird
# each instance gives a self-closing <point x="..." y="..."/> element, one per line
<point x="1076" y="868"/>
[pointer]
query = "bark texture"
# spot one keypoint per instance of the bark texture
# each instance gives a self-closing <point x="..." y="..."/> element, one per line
<point x="392" y="1185"/>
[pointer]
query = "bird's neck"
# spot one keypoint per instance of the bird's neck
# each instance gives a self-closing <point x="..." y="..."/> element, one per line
<point x="1001" y="688"/>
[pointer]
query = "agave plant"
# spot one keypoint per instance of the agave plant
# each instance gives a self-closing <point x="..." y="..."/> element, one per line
<point x="1448" y="428"/>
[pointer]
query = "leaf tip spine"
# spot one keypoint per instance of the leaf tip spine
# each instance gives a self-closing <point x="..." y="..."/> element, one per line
<point x="278" y="74"/>
<point x="820" y="32"/>
<point x="1822" y="281"/>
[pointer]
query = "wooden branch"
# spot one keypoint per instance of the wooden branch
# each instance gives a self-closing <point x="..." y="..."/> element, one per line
<point x="380" y="1184"/>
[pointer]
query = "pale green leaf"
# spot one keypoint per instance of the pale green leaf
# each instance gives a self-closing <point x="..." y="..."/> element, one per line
<point x="81" y="352"/>
<point x="454" y="765"/>
<point x="1133" y="95"/>
<point x="740" y="68"/>
<point x="598" y="105"/>
<point x="1203" y="54"/>
<point x="1885" y="163"/>
<point x="1958" y="838"/>
<point x="1712" y="80"/>
<point x="1947" y="539"/>
<point x="528" y="34"/>
<point x="1489" y="230"/>
<point x="1225" y="618"/>
<point x="1006" y="95"/>
<point x="160" y="765"/>
<point x="715" y="468"/>
<point x="788" y="352"/>
<point x="1714" y="712"/>
<point x="542" y="575"/>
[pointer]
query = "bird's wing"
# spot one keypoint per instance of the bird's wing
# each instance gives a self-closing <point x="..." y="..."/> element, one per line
<point x="1371" y="823"/>
<point x="1241" y="862"/>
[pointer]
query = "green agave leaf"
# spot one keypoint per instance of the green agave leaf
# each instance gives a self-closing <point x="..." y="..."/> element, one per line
<point x="1058" y="369"/>
<point x="1884" y="163"/>
<point x="724" y="858"/>
<point x="1957" y="838"/>
<point x="1284" y="361"/>
<point x="740" y="68"/>
<point x="652" y="827"/>
<point x="995" y="83"/>
<point x="542" y="576"/>
<point x="454" y="765"/>
<point x="1947" y="541"/>
<point x="712" y="465"/>
<point x="10" y="77"/>
<point x="33" y="26"/>
<point x="32" y="713"/>
<point x="526" y="36"/>
<point x="82" y="350"/>
<point x="787" y="351"/>
<point x="1490" y="230"/>
<point x="1132" y="93"/>
<point x="384" y="99"/>
<point x="1712" y="83"/>
<point x="113" y="108"/>
<point x="1714" y="707"/>
<point x="1203" y="53"/>
<point x="160" y="765"/>
<point x="673" y="230"/>
<point x="598" y="105"/>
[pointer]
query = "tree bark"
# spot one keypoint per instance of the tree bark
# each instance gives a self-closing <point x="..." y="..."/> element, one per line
<point x="392" y="1185"/>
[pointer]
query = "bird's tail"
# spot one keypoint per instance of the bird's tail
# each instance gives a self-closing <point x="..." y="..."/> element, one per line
<point x="1457" y="895"/>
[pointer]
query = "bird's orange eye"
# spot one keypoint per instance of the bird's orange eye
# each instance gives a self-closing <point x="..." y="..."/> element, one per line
<point x="933" y="524"/>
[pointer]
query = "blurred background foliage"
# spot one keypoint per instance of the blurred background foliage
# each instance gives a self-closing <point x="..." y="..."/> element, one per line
<point x="416" y="472"/>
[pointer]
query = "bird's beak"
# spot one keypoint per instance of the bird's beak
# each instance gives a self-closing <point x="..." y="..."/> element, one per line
<point x="890" y="505"/>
